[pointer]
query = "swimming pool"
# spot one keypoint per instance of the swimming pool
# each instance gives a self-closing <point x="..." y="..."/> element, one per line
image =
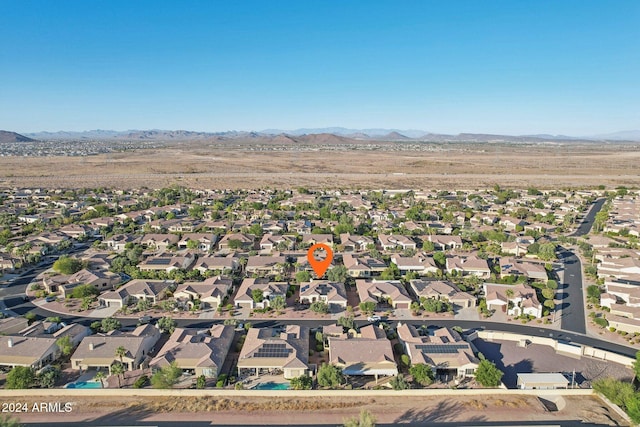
<point x="84" y="384"/>
<point x="271" y="386"/>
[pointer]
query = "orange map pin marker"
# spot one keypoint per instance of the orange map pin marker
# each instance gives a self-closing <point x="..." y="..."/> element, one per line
<point x="320" y="266"/>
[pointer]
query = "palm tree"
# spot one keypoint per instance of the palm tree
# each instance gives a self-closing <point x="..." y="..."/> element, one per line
<point x="117" y="369"/>
<point x="100" y="376"/>
<point x="121" y="352"/>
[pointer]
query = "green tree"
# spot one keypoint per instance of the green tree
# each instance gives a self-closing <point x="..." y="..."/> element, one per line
<point x="547" y="252"/>
<point x="636" y="365"/>
<point x="367" y="307"/>
<point x="8" y="421"/>
<point x="84" y="291"/>
<point x="256" y="229"/>
<point x="278" y="303"/>
<point x="121" y="352"/>
<point x="487" y="374"/>
<point x="234" y="244"/>
<point x="422" y="374"/>
<point x="632" y="407"/>
<point x="100" y="376"/>
<point x="428" y="246"/>
<point x="167" y="325"/>
<point x="593" y="294"/>
<point x="110" y="324"/>
<point x="615" y="390"/>
<point x="399" y="383"/>
<point x="67" y="265"/>
<point x="346" y="321"/>
<point x="319" y="307"/>
<point x="338" y="273"/>
<point x="390" y="273"/>
<point x="548" y="293"/>
<point x="48" y="377"/>
<point x="440" y="259"/>
<point x="65" y="345"/>
<point x="20" y="377"/>
<point x="366" y="419"/>
<point x="302" y="382"/>
<point x="196" y="211"/>
<point x="303" y="276"/>
<point x="166" y="377"/>
<point x="117" y="369"/>
<point x="257" y="295"/>
<point x="193" y="244"/>
<point x="30" y="316"/>
<point x="329" y="376"/>
<point x="201" y="382"/>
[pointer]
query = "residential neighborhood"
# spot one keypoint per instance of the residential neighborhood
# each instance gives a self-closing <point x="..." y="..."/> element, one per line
<point x="143" y="266"/>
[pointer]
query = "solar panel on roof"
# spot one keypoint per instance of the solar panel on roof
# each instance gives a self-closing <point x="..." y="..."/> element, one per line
<point x="440" y="348"/>
<point x="159" y="261"/>
<point x="323" y="289"/>
<point x="273" y="350"/>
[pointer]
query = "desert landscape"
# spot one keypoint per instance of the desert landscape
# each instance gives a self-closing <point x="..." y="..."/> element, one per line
<point x="369" y="165"/>
<point x="330" y="410"/>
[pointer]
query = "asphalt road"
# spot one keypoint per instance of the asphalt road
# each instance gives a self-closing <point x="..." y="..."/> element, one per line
<point x="572" y="321"/>
<point x="572" y="307"/>
<point x="587" y="221"/>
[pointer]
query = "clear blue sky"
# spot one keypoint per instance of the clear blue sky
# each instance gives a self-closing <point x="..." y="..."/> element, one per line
<point x="519" y="67"/>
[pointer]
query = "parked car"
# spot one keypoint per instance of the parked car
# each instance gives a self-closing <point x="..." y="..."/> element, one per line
<point x="50" y="298"/>
<point x="374" y="318"/>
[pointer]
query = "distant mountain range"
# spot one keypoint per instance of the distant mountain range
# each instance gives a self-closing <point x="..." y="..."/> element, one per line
<point x="6" y="136"/>
<point x="331" y="135"/>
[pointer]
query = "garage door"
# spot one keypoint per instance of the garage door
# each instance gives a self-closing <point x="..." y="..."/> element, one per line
<point x="402" y="305"/>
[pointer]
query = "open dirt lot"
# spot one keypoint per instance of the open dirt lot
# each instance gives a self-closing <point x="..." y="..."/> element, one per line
<point x="392" y="165"/>
<point x="328" y="410"/>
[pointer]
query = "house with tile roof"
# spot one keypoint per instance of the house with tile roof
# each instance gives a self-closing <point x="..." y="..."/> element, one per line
<point x="195" y="351"/>
<point x="367" y="353"/>
<point x="333" y="294"/>
<point x="211" y="292"/>
<point x="444" y="350"/>
<point x="383" y="291"/>
<point x="267" y="351"/>
<point x="99" y="351"/>
<point x="36" y="352"/>
<point x="512" y="299"/>
<point x="270" y="290"/>
<point x="136" y="290"/>
<point x="442" y="290"/>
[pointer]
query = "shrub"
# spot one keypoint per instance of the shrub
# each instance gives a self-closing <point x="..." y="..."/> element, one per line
<point x="141" y="382"/>
<point x="614" y="390"/>
<point x="201" y="382"/>
<point x="302" y="382"/>
<point x="404" y="359"/>
<point x="329" y="376"/>
<point x="487" y="374"/>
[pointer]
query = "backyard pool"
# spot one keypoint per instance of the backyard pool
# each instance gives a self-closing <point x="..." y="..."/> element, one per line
<point x="84" y="384"/>
<point x="271" y="386"/>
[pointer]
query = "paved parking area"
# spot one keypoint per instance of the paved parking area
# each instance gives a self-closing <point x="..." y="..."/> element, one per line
<point x="511" y="360"/>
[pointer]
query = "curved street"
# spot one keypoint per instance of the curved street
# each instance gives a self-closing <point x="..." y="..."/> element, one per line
<point x="572" y="308"/>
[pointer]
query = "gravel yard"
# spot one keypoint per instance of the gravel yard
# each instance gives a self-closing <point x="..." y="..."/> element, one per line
<point x="511" y="359"/>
